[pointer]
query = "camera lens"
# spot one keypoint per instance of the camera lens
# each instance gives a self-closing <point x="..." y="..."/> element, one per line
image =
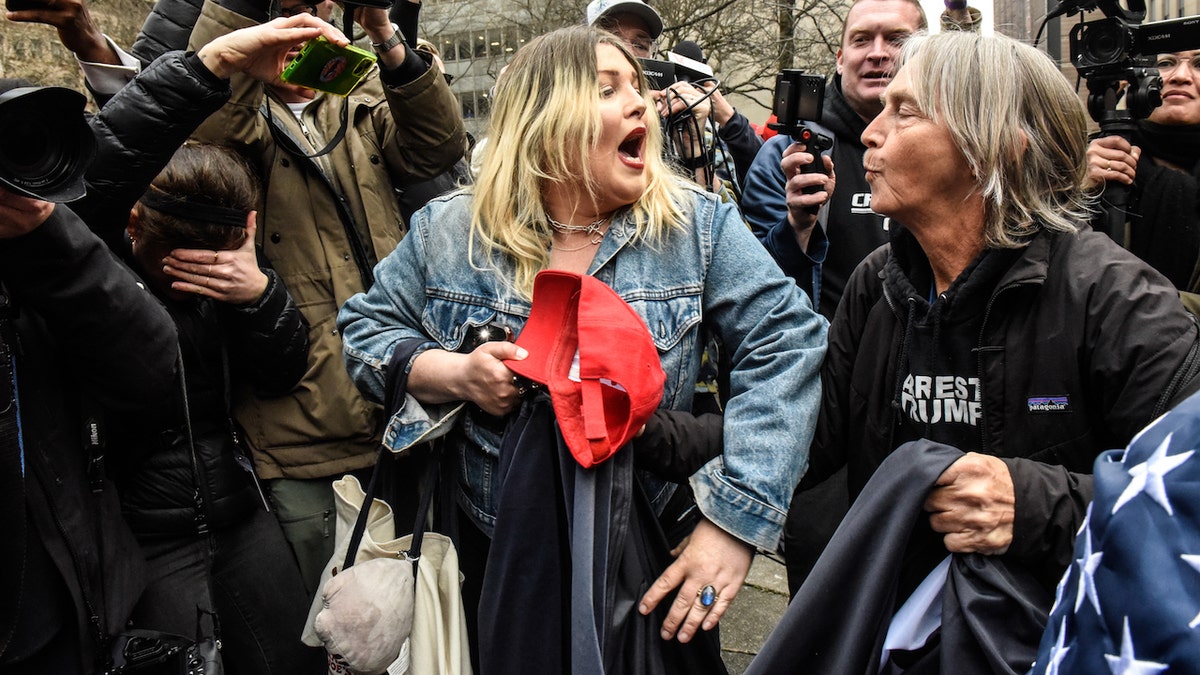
<point x="46" y="146"/>
<point x="1103" y="43"/>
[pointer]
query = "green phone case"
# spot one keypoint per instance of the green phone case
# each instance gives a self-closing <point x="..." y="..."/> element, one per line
<point x="326" y="67"/>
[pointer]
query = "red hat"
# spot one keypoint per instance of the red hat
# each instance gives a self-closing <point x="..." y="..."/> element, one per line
<point x="603" y="399"/>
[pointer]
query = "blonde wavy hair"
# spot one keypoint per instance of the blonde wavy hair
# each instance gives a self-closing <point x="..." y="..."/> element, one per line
<point x="545" y="122"/>
<point x="1015" y="119"/>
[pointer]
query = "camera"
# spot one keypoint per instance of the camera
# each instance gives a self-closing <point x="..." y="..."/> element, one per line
<point x="659" y="74"/>
<point x="798" y="99"/>
<point x="326" y="67"/>
<point x="1114" y="43"/>
<point x="1114" y="55"/>
<point x="45" y="143"/>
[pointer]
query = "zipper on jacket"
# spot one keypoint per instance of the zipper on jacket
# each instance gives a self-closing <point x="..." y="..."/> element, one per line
<point x="985" y="446"/>
<point x="1186" y="372"/>
<point x="287" y="143"/>
<point x="85" y="589"/>
<point x="892" y="404"/>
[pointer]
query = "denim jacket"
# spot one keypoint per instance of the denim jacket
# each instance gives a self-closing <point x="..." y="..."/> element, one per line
<point x="712" y="272"/>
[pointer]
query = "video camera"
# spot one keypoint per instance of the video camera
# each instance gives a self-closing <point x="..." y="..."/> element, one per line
<point x="1114" y="56"/>
<point x="45" y="143"/>
<point x="799" y="99"/>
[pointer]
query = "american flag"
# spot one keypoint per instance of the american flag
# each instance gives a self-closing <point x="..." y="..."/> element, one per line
<point x="1130" y="602"/>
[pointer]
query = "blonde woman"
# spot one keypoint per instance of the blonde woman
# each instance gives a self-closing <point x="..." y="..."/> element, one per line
<point x="572" y="179"/>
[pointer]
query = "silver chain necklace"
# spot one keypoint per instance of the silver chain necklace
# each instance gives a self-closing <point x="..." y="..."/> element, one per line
<point x="593" y="229"/>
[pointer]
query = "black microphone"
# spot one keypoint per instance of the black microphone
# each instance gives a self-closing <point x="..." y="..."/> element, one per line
<point x="691" y="50"/>
<point x="690" y="64"/>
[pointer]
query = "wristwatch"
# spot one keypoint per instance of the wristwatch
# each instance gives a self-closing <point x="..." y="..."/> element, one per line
<point x="386" y="45"/>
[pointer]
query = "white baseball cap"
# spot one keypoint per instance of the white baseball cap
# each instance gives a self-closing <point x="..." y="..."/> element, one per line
<point x="599" y="8"/>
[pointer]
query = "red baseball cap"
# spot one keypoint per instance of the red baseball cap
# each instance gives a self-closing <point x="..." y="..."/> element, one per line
<point x="603" y="398"/>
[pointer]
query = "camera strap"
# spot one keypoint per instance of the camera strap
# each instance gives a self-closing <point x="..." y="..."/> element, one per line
<point x="290" y="143"/>
<point x="12" y="477"/>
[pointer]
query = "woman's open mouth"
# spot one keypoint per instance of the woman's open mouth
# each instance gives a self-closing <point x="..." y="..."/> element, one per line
<point x="630" y="149"/>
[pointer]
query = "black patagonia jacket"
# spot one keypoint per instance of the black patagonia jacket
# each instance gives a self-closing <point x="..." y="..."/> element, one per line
<point x="1081" y="345"/>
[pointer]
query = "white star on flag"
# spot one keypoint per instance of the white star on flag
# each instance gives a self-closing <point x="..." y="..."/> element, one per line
<point x="1059" y="651"/>
<point x="1194" y="561"/>
<point x="1148" y="477"/>
<point x="1127" y="663"/>
<point x="1087" y="569"/>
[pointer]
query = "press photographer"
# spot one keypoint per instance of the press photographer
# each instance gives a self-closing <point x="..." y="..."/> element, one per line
<point x="91" y="350"/>
<point x="1147" y="155"/>
<point x="78" y="336"/>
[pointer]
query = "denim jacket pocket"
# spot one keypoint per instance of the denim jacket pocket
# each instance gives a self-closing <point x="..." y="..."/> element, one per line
<point x="673" y="321"/>
<point x="449" y="321"/>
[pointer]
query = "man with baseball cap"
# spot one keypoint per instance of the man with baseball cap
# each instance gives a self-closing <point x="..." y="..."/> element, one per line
<point x="633" y="20"/>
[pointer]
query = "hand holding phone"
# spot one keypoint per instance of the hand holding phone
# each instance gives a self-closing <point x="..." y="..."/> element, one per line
<point x="327" y="67"/>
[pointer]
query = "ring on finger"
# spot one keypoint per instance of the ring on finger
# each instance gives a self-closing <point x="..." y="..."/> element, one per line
<point x="707" y="596"/>
<point x="216" y="257"/>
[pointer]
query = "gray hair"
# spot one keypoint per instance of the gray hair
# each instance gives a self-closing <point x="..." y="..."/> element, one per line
<point x="1016" y="120"/>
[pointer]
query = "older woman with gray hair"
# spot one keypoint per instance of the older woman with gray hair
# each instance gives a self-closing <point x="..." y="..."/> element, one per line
<point x="995" y="347"/>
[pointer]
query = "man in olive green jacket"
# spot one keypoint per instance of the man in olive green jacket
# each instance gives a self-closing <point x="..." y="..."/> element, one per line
<point x="323" y="224"/>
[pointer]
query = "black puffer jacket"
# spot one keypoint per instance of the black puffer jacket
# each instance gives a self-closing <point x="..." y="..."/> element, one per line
<point x="265" y="344"/>
<point x="1075" y="317"/>
<point x="168" y="490"/>
<point x="87" y="336"/>
<point x="166" y="28"/>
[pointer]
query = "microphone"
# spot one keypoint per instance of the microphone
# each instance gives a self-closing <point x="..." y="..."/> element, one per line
<point x="691" y="50"/>
<point x="690" y="64"/>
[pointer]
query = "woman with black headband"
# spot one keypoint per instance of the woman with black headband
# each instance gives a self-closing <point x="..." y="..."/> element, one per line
<point x="219" y="564"/>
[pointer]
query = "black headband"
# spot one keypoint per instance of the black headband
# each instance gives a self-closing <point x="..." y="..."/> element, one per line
<point x="193" y="211"/>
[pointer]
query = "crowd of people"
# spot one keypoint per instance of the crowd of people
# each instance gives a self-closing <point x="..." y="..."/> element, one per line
<point x="898" y="370"/>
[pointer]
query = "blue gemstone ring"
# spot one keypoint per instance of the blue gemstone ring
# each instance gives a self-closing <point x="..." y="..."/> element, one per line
<point x="707" y="595"/>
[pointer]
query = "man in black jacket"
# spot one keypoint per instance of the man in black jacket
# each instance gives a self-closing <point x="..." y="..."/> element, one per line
<point x="776" y="207"/>
<point x="773" y="201"/>
<point x="80" y="335"/>
<point x="78" y="332"/>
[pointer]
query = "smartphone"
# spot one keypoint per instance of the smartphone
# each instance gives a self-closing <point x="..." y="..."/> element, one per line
<point x="324" y="66"/>
<point x="22" y="5"/>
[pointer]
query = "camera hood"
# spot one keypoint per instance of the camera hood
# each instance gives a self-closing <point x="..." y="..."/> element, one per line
<point x="45" y="143"/>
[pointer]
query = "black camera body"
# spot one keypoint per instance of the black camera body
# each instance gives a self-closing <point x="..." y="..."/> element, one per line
<point x="659" y="74"/>
<point x="1115" y="43"/>
<point x="1115" y="56"/>
<point x="45" y="144"/>
<point x="799" y="99"/>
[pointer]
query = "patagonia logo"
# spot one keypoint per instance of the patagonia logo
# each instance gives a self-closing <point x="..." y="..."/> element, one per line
<point x="1043" y="404"/>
